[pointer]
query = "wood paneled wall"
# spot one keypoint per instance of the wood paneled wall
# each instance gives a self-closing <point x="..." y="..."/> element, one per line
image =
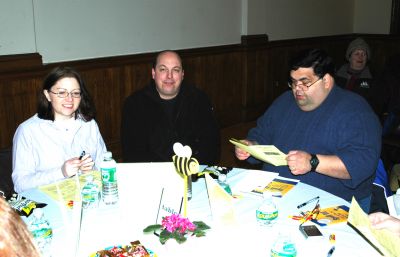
<point x="242" y="80"/>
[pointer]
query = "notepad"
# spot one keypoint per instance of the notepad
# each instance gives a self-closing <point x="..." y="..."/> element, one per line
<point x="266" y="153"/>
<point x="384" y="241"/>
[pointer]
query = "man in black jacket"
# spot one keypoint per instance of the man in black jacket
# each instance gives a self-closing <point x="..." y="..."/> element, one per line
<point x="168" y="111"/>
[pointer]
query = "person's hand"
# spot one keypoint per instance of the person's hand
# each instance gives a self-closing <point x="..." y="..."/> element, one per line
<point x="240" y="153"/>
<point x="71" y="167"/>
<point x="380" y="220"/>
<point x="298" y="162"/>
<point x="86" y="164"/>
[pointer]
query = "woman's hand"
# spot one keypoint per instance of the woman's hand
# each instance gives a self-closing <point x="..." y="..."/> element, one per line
<point x="72" y="166"/>
<point x="380" y="220"/>
<point x="87" y="163"/>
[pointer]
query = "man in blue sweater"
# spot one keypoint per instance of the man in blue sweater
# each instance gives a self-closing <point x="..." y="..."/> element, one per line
<point x="331" y="136"/>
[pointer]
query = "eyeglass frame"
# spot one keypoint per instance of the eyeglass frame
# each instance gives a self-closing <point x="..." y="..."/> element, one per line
<point x="68" y="93"/>
<point x="302" y="86"/>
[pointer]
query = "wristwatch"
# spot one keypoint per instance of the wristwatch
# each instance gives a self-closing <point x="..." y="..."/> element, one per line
<point x="314" y="162"/>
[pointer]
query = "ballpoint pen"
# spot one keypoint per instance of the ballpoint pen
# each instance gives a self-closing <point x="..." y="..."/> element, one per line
<point x="309" y="201"/>
<point x="331" y="251"/>
<point x="82" y="154"/>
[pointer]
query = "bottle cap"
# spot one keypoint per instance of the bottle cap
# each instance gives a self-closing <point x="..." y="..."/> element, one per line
<point x="107" y="155"/>
<point x="267" y="194"/>
<point x="37" y="213"/>
<point x="222" y="177"/>
<point x="89" y="178"/>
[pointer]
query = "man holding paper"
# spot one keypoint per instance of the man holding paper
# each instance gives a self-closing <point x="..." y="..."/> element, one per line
<point x="331" y="135"/>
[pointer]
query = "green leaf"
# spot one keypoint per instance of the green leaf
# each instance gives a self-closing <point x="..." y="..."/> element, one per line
<point x="200" y="225"/>
<point x="199" y="233"/>
<point x="180" y="239"/>
<point x="152" y="228"/>
<point x="164" y="236"/>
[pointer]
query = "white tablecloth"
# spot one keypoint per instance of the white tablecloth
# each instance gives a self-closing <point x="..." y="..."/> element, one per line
<point x="140" y="187"/>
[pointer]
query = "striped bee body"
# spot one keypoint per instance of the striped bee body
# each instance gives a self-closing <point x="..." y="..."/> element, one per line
<point x="185" y="166"/>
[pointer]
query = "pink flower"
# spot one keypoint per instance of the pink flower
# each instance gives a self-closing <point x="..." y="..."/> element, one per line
<point x="176" y="222"/>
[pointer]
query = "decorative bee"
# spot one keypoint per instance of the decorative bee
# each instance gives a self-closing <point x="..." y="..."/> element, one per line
<point x="186" y="166"/>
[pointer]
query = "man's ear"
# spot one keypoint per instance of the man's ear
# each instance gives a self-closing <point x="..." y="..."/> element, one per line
<point x="328" y="80"/>
<point x="153" y="73"/>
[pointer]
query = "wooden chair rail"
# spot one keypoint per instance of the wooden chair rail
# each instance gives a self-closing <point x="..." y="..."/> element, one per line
<point x="242" y="80"/>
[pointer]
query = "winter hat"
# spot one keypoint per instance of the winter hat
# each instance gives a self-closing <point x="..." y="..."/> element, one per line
<point x="357" y="43"/>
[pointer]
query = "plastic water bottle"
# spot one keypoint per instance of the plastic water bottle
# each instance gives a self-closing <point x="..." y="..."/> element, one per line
<point x="109" y="179"/>
<point x="396" y="201"/>
<point x="189" y="189"/>
<point x="90" y="193"/>
<point x="267" y="212"/>
<point x="222" y="182"/>
<point x="283" y="247"/>
<point x="41" y="231"/>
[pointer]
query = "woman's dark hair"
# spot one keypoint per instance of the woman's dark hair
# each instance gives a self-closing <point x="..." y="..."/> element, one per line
<point x="86" y="107"/>
<point x="314" y="58"/>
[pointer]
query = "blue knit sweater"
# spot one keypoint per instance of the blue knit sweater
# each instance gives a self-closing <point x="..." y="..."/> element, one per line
<point x="343" y="125"/>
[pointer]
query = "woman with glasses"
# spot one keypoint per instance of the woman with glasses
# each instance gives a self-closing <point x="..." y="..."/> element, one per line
<point x="47" y="146"/>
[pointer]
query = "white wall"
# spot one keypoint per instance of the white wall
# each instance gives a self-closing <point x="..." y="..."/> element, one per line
<point x="287" y="19"/>
<point x="62" y="30"/>
<point x="17" y="33"/>
<point x="68" y="30"/>
<point x="372" y="16"/>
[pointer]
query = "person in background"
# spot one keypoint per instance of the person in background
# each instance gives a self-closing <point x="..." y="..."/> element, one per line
<point x="167" y="111"/>
<point x="380" y="220"/>
<point x="331" y="136"/>
<point x="47" y="146"/>
<point x="357" y="77"/>
<point x="15" y="238"/>
<point x="389" y="81"/>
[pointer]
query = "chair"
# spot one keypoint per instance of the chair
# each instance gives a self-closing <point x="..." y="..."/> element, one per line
<point x="380" y="190"/>
<point x="394" y="179"/>
<point x="6" y="183"/>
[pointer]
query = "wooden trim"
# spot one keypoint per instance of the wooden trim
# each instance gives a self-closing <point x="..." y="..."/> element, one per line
<point x="20" y="62"/>
<point x="242" y="79"/>
<point x="253" y="40"/>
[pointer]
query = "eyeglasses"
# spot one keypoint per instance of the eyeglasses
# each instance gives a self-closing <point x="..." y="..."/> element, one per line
<point x="62" y="93"/>
<point x="304" y="84"/>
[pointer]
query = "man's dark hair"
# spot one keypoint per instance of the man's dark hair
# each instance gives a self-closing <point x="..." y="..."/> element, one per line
<point x="155" y="61"/>
<point x="86" y="107"/>
<point x="316" y="59"/>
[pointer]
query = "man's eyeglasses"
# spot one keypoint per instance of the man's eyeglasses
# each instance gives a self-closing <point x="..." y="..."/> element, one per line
<point x="64" y="93"/>
<point x="304" y="84"/>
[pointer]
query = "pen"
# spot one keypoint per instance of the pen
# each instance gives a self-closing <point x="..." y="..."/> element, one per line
<point x="331" y="251"/>
<point x="305" y="203"/>
<point x="82" y="154"/>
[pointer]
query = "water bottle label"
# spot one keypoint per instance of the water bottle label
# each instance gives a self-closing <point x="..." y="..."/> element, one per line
<point x="280" y="254"/>
<point x="43" y="233"/>
<point x="266" y="215"/>
<point x="108" y="175"/>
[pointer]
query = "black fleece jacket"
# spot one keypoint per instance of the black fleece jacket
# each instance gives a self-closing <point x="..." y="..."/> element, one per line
<point x="148" y="132"/>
